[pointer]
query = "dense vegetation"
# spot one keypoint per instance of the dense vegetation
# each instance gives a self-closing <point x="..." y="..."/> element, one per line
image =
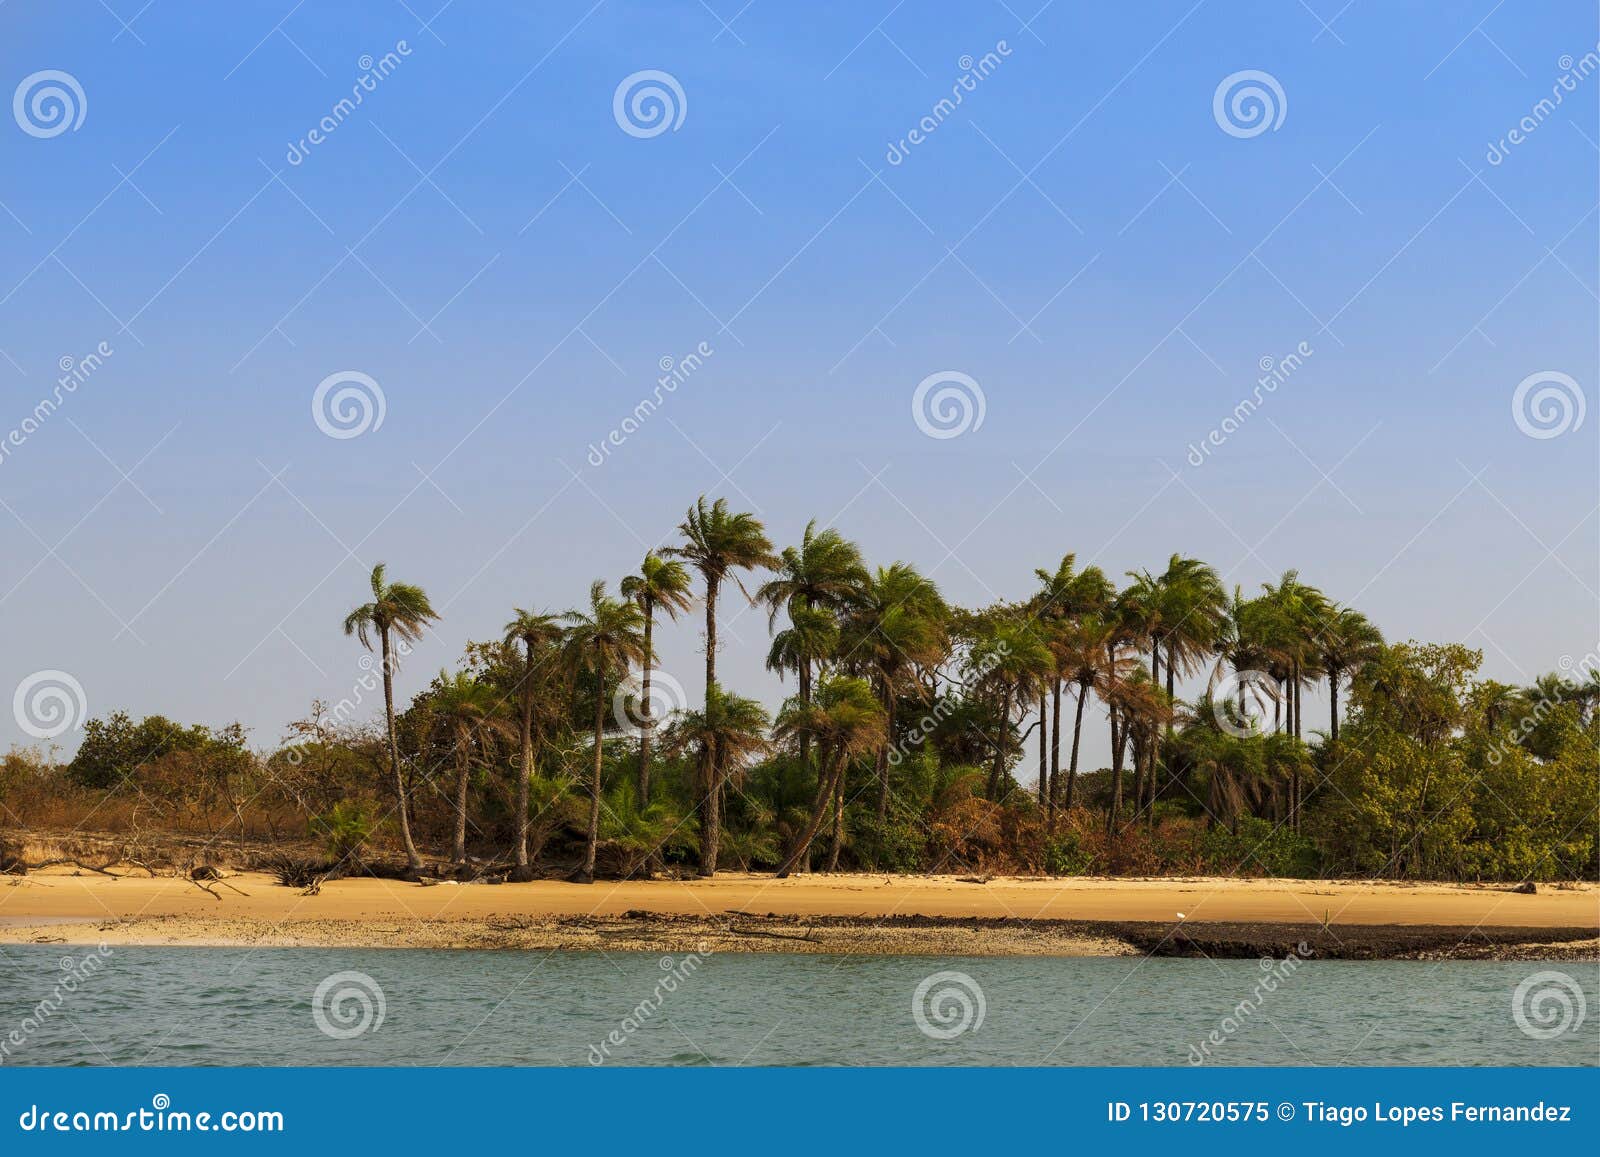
<point x="920" y="736"/>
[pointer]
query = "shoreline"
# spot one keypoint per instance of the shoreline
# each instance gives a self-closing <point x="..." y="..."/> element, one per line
<point x="846" y="914"/>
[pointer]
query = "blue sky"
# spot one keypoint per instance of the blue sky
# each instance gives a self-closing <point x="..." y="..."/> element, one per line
<point x="483" y="239"/>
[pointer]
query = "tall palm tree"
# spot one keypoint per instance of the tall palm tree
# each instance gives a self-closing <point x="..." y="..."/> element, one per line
<point x="603" y="642"/>
<point x="1347" y="641"/>
<point x="1087" y="657"/>
<point x="730" y="730"/>
<point x="845" y="721"/>
<point x="398" y="613"/>
<point x="1008" y="664"/>
<point x="898" y="627"/>
<point x="469" y="711"/>
<point x="538" y="633"/>
<point x="718" y="543"/>
<point x="664" y="584"/>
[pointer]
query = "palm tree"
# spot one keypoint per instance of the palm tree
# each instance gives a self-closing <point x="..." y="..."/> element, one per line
<point x="718" y="543"/>
<point x="1087" y="657"/>
<point x="1007" y="663"/>
<point x="897" y="628"/>
<point x="845" y="721"/>
<point x="398" y="613"/>
<point x="469" y="711"/>
<point x="664" y="584"/>
<point x="1347" y="641"/>
<point x="538" y="633"/>
<point x="731" y="730"/>
<point x="604" y="643"/>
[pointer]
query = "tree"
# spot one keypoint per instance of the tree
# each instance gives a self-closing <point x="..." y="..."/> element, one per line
<point x="845" y="721"/>
<point x="659" y="584"/>
<point x="397" y="614"/>
<point x="469" y="711"/>
<point x="718" y="543"/>
<point x="603" y="642"/>
<point x="539" y="633"/>
<point x="897" y="629"/>
<point x="730" y="730"/>
<point x="1007" y="663"/>
<point x="1347" y="641"/>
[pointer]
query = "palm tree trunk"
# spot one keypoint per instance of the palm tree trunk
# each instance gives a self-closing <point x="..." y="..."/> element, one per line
<point x="1077" y="732"/>
<point x="1117" y="744"/>
<point x="819" y="806"/>
<point x="525" y="735"/>
<point x="1333" y="704"/>
<point x="1055" y="756"/>
<point x="1171" y="686"/>
<point x="644" y="706"/>
<point x="586" y="875"/>
<point x="883" y="758"/>
<point x="413" y="861"/>
<point x="1044" y="753"/>
<point x="711" y="806"/>
<point x="838" y="821"/>
<point x="463" y="774"/>
<point x="805" y="701"/>
<point x="711" y="825"/>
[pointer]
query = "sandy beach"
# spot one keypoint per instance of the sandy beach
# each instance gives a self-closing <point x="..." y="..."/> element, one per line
<point x="844" y="913"/>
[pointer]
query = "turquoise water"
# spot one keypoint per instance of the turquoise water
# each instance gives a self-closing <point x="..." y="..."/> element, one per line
<point x="201" y="1006"/>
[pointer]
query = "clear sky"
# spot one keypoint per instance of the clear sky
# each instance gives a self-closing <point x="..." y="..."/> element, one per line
<point x="484" y="238"/>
